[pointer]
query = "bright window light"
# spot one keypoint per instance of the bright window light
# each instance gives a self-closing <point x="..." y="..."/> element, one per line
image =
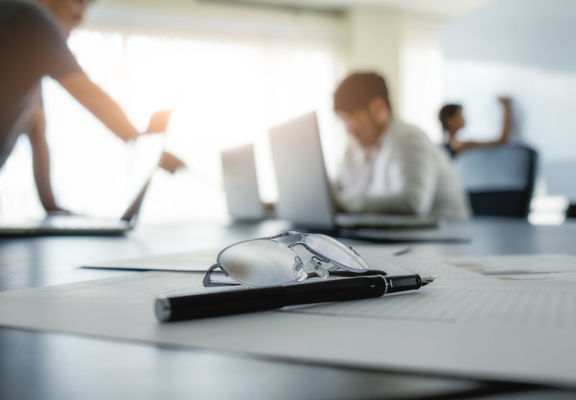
<point x="223" y="93"/>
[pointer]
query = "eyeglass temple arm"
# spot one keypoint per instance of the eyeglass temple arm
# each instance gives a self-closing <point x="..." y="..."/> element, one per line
<point x="281" y="235"/>
<point x="208" y="282"/>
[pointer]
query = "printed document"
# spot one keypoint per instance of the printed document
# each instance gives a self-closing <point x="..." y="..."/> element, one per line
<point x="465" y="324"/>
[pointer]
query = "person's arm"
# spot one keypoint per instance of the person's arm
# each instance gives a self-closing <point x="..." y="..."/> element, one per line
<point x="504" y="133"/>
<point x="418" y="174"/>
<point x="47" y="41"/>
<point x="41" y="161"/>
<point x="110" y="114"/>
<point x="506" y="119"/>
<point x="99" y="103"/>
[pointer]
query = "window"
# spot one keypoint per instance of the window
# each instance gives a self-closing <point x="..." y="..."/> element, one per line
<point x="224" y="92"/>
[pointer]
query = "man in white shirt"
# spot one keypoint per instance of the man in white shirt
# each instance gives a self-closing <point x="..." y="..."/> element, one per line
<point x="389" y="166"/>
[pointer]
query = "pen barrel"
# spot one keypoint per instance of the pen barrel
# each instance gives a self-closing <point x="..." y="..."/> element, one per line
<point x="335" y="290"/>
<point x="403" y="283"/>
<point x="203" y="305"/>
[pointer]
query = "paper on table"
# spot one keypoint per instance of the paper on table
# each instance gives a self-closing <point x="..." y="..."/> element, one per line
<point x="195" y="261"/>
<point x="428" y="266"/>
<point x="496" y="303"/>
<point x="532" y="267"/>
<point x="510" y="267"/>
<point x="482" y="328"/>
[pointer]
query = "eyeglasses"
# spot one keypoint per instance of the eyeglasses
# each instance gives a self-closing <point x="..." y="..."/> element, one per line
<point x="287" y="258"/>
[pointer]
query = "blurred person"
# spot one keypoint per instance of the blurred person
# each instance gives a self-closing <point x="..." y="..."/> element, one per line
<point x="389" y="166"/>
<point x="453" y="121"/>
<point x="33" y="45"/>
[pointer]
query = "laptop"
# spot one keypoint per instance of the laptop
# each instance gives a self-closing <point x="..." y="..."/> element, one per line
<point x="241" y="184"/>
<point x="305" y="194"/>
<point x="145" y="157"/>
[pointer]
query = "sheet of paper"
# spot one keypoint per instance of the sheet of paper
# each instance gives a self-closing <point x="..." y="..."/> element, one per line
<point x="513" y="304"/>
<point x="195" y="261"/>
<point x="482" y="328"/>
<point x="428" y="266"/>
<point x="509" y="267"/>
<point x="519" y="267"/>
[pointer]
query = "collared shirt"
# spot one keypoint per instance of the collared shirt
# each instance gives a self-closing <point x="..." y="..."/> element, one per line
<point x="404" y="174"/>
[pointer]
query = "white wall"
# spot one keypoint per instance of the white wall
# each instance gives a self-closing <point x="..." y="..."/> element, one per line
<point x="421" y="79"/>
<point x="375" y="43"/>
<point x="406" y="49"/>
<point x="525" y="49"/>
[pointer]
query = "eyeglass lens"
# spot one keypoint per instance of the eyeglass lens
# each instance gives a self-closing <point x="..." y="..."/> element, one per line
<point x="262" y="263"/>
<point x="336" y="251"/>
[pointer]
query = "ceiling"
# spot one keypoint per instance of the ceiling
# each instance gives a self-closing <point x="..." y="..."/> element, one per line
<point x="443" y="8"/>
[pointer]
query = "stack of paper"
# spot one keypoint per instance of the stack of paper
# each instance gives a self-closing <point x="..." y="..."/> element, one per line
<point x="467" y="323"/>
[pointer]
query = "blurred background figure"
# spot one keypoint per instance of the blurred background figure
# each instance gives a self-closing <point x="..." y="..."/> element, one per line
<point x="390" y="166"/>
<point x="453" y="121"/>
<point x="33" y="45"/>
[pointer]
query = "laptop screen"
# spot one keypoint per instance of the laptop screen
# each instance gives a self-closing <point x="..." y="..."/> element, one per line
<point x="304" y="192"/>
<point x="144" y="157"/>
<point x="241" y="183"/>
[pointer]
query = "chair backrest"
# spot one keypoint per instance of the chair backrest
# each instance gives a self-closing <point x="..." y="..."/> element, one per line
<point x="500" y="180"/>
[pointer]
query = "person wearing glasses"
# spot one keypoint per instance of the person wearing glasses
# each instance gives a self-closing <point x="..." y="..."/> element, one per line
<point x="389" y="166"/>
<point x="32" y="46"/>
<point x="453" y="121"/>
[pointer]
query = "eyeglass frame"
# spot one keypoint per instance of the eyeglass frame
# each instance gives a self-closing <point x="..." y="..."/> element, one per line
<point x="318" y="258"/>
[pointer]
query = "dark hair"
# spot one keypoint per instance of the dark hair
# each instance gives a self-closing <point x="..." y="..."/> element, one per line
<point x="448" y="111"/>
<point x="358" y="90"/>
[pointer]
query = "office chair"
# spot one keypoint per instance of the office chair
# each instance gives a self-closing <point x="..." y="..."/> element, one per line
<point x="499" y="180"/>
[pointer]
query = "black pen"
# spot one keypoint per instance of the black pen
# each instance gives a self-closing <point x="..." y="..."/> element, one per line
<point x="203" y="305"/>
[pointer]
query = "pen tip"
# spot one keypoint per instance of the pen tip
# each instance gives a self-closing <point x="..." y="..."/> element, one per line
<point x="427" y="279"/>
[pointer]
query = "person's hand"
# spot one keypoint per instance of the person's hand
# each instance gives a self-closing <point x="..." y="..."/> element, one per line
<point x="505" y="101"/>
<point x="56" y="210"/>
<point x="159" y="121"/>
<point x="171" y="163"/>
<point x="269" y="209"/>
